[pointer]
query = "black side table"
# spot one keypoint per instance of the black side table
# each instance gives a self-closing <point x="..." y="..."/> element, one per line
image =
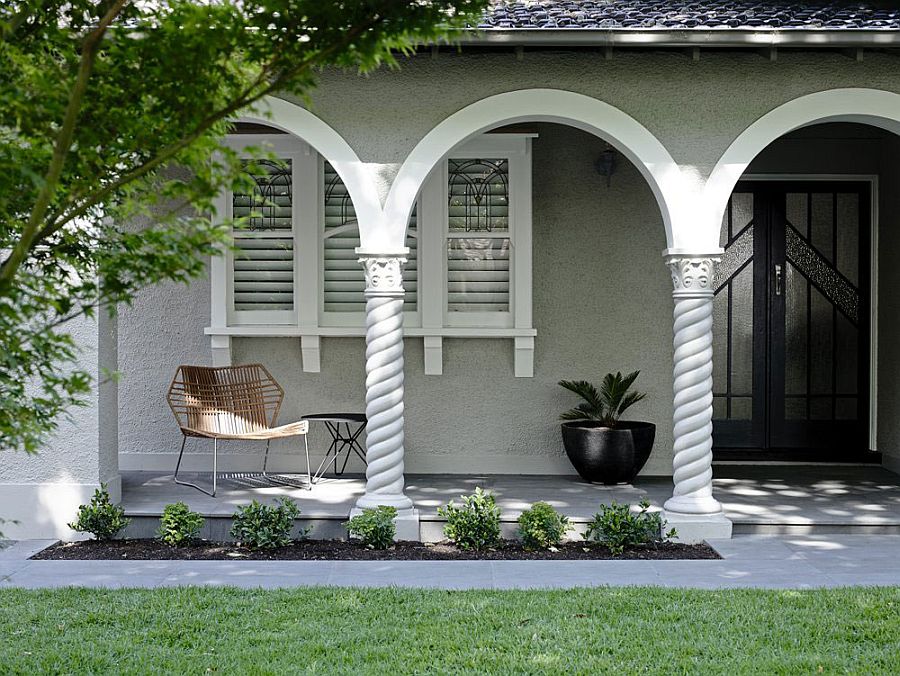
<point x="344" y="440"/>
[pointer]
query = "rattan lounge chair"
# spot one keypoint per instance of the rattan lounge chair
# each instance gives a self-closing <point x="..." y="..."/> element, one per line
<point x="230" y="402"/>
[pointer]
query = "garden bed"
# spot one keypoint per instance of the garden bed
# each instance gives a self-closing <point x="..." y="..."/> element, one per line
<point x="330" y="550"/>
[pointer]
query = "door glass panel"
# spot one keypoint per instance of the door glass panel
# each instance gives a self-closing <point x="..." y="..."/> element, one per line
<point x="741" y="408"/>
<point x="733" y="314"/>
<point x="742" y="333"/>
<point x="795" y="408"/>
<point x="846" y="366"/>
<point x="796" y="210"/>
<point x="848" y="236"/>
<point x="821" y="344"/>
<point x="822" y="224"/>
<point x="820" y="408"/>
<point x="795" y="342"/>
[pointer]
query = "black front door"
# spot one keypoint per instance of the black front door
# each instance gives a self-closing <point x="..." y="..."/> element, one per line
<point x="790" y="323"/>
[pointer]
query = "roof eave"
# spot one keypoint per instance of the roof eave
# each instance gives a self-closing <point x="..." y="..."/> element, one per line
<point x="693" y="37"/>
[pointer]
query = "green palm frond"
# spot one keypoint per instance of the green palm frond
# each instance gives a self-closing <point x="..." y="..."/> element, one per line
<point x="630" y="400"/>
<point x="581" y="412"/>
<point x="595" y="407"/>
<point x="605" y="404"/>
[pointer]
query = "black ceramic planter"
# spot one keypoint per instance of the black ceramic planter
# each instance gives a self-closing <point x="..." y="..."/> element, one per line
<point x="606" y="455"/>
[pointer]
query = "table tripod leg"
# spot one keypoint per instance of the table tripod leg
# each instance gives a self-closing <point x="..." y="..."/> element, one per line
<point x="308" y="473"/>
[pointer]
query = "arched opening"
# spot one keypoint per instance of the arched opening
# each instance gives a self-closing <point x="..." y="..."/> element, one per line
<point x="804" y="202"/>
<point x="592" y="253"/>
<point x="292" y="119"/>
<point x="804" y="342"/>
<point x="620" y="130"/>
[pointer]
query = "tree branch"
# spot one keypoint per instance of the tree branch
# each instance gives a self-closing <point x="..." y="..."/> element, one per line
<point x="60" y="150"/>
<point x="246" y="98"/>
<point x="9" y="30"/>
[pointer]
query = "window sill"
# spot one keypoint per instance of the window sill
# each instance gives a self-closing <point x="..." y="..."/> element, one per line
<point x="523" y="338"/>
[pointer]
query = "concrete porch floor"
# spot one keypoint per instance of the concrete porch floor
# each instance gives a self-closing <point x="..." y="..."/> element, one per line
<point x="761" y="499"/>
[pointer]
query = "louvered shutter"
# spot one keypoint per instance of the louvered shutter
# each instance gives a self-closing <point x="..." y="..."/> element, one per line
<point x="344" y="281"/>
<point x="478" y="236"/>
<point x="263" y="260"/>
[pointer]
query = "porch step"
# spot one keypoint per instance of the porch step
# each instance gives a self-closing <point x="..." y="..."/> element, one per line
<point x="759" y="528"/>
<point x="431" y="528"/>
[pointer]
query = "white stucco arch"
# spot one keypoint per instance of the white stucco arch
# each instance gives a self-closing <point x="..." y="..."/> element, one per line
<point x="621" y="130"/>
<point x="354" y="173"/>
<point x="865" y="106"/>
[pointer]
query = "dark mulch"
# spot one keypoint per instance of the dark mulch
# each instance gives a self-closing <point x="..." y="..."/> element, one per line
<point x="329" y="550"/>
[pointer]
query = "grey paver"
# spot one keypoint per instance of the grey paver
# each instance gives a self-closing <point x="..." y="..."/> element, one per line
<point x="419" y="574"/>
<point x="753" y="496"/>
<point x="566" y="574"/>
<point x="267" y="574"/>
<point x="23" y="549"/>
<point x="794" y="562"/>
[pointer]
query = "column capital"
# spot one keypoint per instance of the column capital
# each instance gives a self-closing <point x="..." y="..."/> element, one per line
<point x="692" y="274"/>
<point x="384" y="275"/>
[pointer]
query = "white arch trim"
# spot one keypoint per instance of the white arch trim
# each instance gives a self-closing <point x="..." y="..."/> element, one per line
<point x="868" y="106"/>
<point x="541" y="105"/>
<point x="300" y="122"/>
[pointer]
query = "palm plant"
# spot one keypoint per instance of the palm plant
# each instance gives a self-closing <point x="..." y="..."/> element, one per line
<point x="606" y="404"/>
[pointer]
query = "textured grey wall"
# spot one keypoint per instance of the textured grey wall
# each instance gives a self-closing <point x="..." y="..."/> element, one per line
<point x="602" y="295"/>
<point x="694" y="108"/>
<point x="598" y="282"/>
<point x="71" y="456"/>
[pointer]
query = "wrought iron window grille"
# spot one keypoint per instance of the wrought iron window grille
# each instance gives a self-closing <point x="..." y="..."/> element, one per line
<point x="263" y="202"/>
<point x="479" y="187"/>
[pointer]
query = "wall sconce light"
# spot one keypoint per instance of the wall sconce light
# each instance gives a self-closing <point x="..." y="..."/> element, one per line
<point x="606" y="163"/>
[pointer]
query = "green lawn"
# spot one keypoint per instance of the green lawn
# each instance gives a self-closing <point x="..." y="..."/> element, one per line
<point x="195" y="631"/>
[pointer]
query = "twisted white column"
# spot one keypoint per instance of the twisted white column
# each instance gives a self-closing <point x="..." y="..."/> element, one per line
<point x="692" y="277"/>
<point x="384" y="383"/>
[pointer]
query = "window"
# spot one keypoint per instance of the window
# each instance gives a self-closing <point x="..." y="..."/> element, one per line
<point x="294" y="269"/>
<point x="263" y="265"/>
<point x="261" y="276"/>
<point x="480" y="203"/>
<point x="478" y="244"/>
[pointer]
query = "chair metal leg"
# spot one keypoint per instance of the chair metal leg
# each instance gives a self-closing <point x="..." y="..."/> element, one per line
<point x="188" y="483"/>
<point x="308" y="470"/>
<point x="266" y="459"/>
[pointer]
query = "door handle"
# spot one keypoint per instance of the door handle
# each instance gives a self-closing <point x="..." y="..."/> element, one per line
<point x="778" y="279"/>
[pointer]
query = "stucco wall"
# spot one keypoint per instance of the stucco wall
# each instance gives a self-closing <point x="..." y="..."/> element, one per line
<point x="599" y="284"/>
<point x="41" y="492"/>
<point x="601" y="292"/>
<point x="71" y="454"/>
<point x="694" y="108"/>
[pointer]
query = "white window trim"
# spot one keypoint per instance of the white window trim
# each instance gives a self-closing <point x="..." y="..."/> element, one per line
<point x="433" y="235"/>
<point x="223" y="313"/>
<point x="430" y="321"/>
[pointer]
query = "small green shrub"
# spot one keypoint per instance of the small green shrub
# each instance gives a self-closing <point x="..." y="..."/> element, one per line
<point x="542" y="527"/>
<point x="178" y="525"/>
<point x="617" y="527"/>
<point x="474" y="525"/>
<point x="374" y="527"/>
<point x="260" y="526"/>
<point x="100" y="518"/>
